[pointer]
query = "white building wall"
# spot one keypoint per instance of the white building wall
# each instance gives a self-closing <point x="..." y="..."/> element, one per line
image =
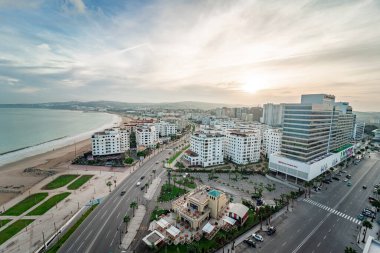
<point x="242" y="147"/>
<point x="147" y="135"/>
<point x="272" y="141"/>
<point x="209" y="148"/>
<point x="111" y="141"/>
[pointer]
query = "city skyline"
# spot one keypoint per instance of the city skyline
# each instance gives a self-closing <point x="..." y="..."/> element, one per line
<point x="160" y="51"/>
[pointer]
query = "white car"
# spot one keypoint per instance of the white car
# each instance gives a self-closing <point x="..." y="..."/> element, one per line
<point x="258" y="237"/>
<point x="138" y="183"/>
<point x="345" y="180"/>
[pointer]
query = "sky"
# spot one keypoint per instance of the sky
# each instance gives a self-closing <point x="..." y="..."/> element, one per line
<point x="233" y="52"/>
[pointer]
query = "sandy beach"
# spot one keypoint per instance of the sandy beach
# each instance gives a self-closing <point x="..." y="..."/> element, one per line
<point x="14" y="179"/>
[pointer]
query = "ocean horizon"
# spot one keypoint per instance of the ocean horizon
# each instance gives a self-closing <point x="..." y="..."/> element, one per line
<point x="25" y="132"/>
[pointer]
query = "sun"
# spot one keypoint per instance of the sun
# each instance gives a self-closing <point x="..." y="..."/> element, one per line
<point x="253" y="83"/>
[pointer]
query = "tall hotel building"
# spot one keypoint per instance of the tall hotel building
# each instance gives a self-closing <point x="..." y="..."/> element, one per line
<point x="317" y="134"/>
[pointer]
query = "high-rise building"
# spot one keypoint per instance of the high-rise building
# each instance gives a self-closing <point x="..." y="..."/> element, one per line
<point x="257" y="113"/>
<point x="272" y="141"/>
<point x="206" y="149"/>
<point x="359" y="130"/>
<point x="242" y="146"/>
<point x="111" y="141"/>
<point x="147" y="135"/>
<point x="273" y="114"/>
<point x="313" y="131"/>
<point x="166" y="128"/>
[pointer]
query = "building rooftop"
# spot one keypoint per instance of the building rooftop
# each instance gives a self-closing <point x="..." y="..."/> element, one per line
<point x="372" y="246"/>
<point x="199" y="196"/>
<point x="153" y="238"/>
<point x="214" y="193"/>
<point x="240" y="209"/>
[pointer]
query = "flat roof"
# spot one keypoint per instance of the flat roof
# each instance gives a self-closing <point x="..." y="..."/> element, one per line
<point x="214" y="193"/>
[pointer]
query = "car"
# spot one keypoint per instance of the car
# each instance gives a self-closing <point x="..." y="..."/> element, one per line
<point x="122" y="193"/>
<point x="157" y="162"/>
<point x="326" y="181"/>
<point x="142" y="177"/>
<point x="138" y="183"/>
<point x="368" y="214"/>
<point x="371" y="210"/>
<point x="344" y="171"/>
<point x="336" y="178"/>
<point x="339" y="175"/>
<point x="345" y="180"/>
<point x="250" y="242"/>
<point x="360" y="217"/>
<point x="349" y="183"/>
<point x="364" y="187"/>
<point x="271" y="230"/>
<point x="258" y="237"/>
<point x="348" y="176"/>
<point x="142" y="187"/>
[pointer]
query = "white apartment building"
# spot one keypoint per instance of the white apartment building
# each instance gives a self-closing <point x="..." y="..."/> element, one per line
<point x="147" y="135"/>
<point x="166" y="129"/>
<point x="242" y="146"/>
<point x="272" y="141"/>
<point x="359" y="130"/>
<point x="206" y="149"/>
<point x="111" y="141"/>
<point x="273" y="114"/>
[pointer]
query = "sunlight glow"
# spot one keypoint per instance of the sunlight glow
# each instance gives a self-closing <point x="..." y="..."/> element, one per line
<point x="253" y="83"/>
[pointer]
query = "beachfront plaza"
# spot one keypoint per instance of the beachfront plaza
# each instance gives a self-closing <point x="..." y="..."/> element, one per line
<point x="199" y="213"/>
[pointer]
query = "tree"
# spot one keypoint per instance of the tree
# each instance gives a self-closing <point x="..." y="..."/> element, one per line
<point x="128" y="160"/>
<point x="366" y="225"/>
<point x="287" y="196"/>
<point x="349" y="250"/>
<point x="134" y="206"/>
<point x="154" y="173"/>
<point x="109" y="184"/>
<point x="268" y="212"/>
<point x="126" y="220"/>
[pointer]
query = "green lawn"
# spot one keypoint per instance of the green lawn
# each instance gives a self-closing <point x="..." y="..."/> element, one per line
<point x="79" y="182"/>
<point x="13" y="229"/>
<point x="25" y="204"/>
<point x="3" y="222"/>
<point x="170" y="192"/>
<point x="157" y="213"/>
<point x="186" y="182"/>
<point x="59" y="182"/>
<point x="51" y="202"/>
<point x="66" y="236"/>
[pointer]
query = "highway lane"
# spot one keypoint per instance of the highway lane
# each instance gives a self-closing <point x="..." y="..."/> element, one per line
<point x="100" y="231"/>
<point x="310" y="228"/>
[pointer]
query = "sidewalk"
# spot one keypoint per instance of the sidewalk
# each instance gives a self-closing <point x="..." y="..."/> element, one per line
<point x="374" y="232"/>
<point x="133" y="227"/>
<point x="255" y="229"/>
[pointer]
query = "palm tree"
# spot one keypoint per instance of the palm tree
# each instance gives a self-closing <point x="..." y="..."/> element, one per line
<point x="268" y="212"/>
<point x="126" y="219"/>
<point x="134" y="206"/>
<point x="287" y="196"/>
<point x="154" y="173"/>
<point x="109" y="184"/>
<point x="282" y="196"/>
<point x="349" y="250"/>
<point x="367" y="225"/>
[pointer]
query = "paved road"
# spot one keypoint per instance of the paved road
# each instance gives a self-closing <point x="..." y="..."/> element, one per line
<point x="326" y="222"/>
<point x="100" y="231"/>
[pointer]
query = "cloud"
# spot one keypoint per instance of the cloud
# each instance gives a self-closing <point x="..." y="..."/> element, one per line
<point x="170" y="51"/>
<point x="27" y="90"/>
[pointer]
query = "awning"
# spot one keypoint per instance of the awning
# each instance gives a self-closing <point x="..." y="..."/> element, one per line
<point x="163" y="223"/>
<point x="229" y="220"/>
<point x="173" y="231"/>
<point x="208" y="228"/>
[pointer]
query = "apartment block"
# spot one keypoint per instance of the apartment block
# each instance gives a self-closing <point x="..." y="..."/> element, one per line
<point x="359" y="130"/>
<point x="110" y="141"/>
<point x="272" y="141"/>
<point x="147" y="135"/>
<point x="242" y="146"/>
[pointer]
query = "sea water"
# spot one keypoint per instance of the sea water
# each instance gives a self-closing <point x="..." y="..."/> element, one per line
<point x="28" y="132"/>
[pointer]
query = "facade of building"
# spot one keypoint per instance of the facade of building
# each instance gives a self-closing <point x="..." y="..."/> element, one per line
<point x="359" y="130"/>
<point x="166" y="129"/>
<point x="111" y="141"/>
<point x="312" y="131"/>
<point x="272" y="141"/>
<point x="147" y="135"/>
<point x="207" y="148"/>
<point x="200" y="205"/>
<point x="242" y="146"/>
<point x="273" y="114"/>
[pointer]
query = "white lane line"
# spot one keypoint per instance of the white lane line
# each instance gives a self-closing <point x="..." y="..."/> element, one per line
<point x="108" y="233"/>
<point x="284" y="244"/>
<point x="324" y="237"/>
<point x="117" y="217"/>
<point x="80" y="246"/>
<point x="88" y="235"/>
<point x="319" y="244"/>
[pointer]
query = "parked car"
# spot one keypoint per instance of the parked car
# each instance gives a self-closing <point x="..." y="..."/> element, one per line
<point x="122" y="193"/>
<point x="259" y="202"/>
<point x="326" y="181"/>
<point x="348" y="176"/>
<point x="258" y="237"/>
<point x="349" y="183"/>
<point x="138" y="183"/>
<point x="271" y="230"/>
<point x="364" y="187"/>
<point x="250" y="242"/>
<point x="336" y="178"/>
<point x="142" y="177"/>
<point x="142" y="187"/>
<point x="371" y="199"/>
<point x="368" y="213"/>
<point x="360" y="217"/>
<point x="345" y="180"/>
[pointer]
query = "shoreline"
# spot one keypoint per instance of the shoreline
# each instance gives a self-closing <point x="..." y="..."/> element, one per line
<point x="57" y="159"/>
<point x="51" y="145"/>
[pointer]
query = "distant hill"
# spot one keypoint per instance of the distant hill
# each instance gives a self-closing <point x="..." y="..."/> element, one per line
<point x="121" y="105"/>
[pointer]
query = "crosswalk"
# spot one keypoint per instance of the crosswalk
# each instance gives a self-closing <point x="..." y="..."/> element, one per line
<point x="333" y="211"/>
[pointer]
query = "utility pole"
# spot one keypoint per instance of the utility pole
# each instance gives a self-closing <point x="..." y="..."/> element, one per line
<point x="43" y="238"/>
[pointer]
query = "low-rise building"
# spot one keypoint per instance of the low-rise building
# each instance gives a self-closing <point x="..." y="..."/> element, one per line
<point x="110" y="141"/>
<point x="166" y="129"/>
<point x="200" y="205"/>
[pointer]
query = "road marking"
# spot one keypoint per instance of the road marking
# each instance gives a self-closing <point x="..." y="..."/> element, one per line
<point x="117" y="217"/>
<point x="329" y="230"/>
<point x="324" y="237"/>
<point x="284" y="244"/>
<point x="80" y="246"/>
<point x="298" y="230"/>
<point x="108" y="233"/>
<point x="319" y="244"/>
<point x="88" y="235"/>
